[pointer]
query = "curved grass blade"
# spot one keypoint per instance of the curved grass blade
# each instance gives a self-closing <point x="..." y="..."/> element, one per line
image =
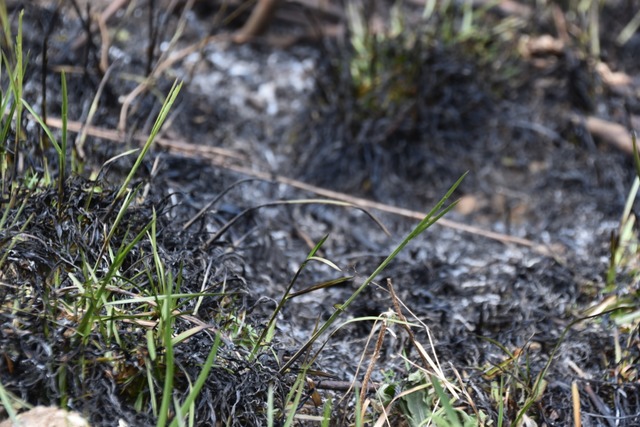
<point x="235" y="219"/>
<point x="431" y="218"/>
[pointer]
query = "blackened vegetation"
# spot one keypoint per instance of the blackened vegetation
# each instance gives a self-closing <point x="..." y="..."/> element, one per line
<point x="434" y="111"/>
<point x="43" y="358"/>
<point x="421" y="103"/>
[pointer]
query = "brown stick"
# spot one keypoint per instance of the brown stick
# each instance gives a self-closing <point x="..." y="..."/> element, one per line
<point x="175" y="146"/>
<point x="258" y="21"/>
<point x="610" y="132"/>
<point x="233" y="161"/>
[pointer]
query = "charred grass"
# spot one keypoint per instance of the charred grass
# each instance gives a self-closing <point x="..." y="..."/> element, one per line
<point x="111" y="305"/>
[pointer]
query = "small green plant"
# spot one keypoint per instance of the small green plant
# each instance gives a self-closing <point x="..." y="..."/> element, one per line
<point x="514" y="385"/>
<point x="386" y="58"/>
<point x="621" y="295"/>
<point x="624" y="243"/>
<point x="425" y="396"/>
<point x="423" y="401"/>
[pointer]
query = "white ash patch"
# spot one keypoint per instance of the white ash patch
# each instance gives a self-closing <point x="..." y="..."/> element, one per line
<point x="257" y="84"/>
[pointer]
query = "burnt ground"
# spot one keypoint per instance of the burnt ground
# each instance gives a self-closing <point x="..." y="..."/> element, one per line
<point x="512" y="115"/>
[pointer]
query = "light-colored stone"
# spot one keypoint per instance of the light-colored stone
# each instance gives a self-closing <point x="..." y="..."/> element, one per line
<point x="47" y="416"/>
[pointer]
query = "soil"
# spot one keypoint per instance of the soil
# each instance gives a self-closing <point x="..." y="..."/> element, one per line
<point x="283" y="107"/>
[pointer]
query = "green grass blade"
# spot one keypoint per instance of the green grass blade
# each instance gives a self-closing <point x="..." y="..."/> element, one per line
<point x="358" y="421"/>
<point x="452" y="418"/>
<point x="436" y="213"/>
<point x="44" y="127"/>
<point x="18" y="72"/>
<point x="95" y="303"/>
<point x="17" y="80"/>
<point x="312" y="254"/>
<point x="167" y="329"/>
<point x="636" y="156"/>
<point x="123" y="209"/>
<point x="164" y="111"/>
<point x="202" y="377"/>
<point x="298" y="389"/>
<point x="150" y="385"/>
<point x="326" y="412"/>
<point x="629" y="30"/>
<point x="6" y="403"/>
<point x="62" y="154"/>
<point x="4" y="20"/>
<point x="270" y="408"/>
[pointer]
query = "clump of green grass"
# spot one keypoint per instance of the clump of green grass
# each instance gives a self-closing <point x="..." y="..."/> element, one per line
<point x="400" y="89"/>
<point x="75" y="252"/>
<point x="386" y="65"/>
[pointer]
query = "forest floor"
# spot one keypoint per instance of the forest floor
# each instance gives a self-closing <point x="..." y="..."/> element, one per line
<point x="501" y="290"/>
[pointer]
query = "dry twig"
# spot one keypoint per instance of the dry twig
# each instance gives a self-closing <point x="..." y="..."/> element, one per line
<point x="236" y="162"/>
